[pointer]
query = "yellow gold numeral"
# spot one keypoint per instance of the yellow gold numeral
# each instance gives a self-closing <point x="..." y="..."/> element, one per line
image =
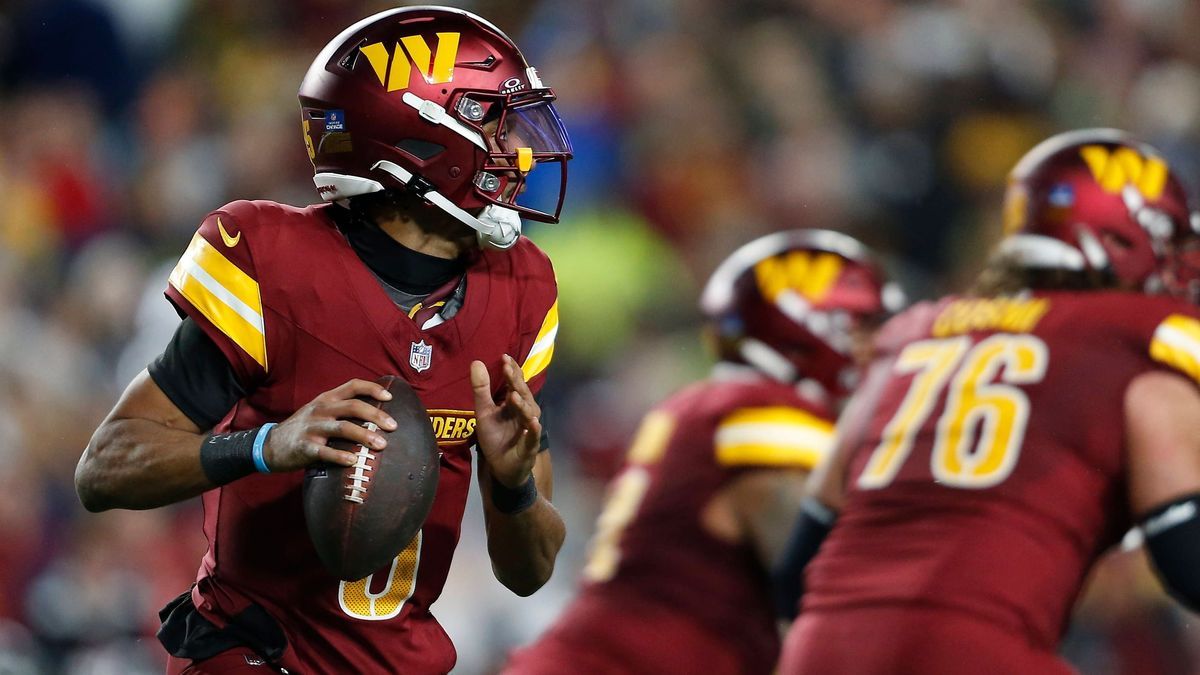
<point x="933" y="361"/>
<point x="979" y="434"/>
<point x="357" y="600"/>
<point x="998" y="412"/>
<point x="623" y="502"/>
<point x="626" y="495"/>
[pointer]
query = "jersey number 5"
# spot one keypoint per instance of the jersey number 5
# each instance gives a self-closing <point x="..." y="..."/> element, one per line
<point x="978" y="437"/>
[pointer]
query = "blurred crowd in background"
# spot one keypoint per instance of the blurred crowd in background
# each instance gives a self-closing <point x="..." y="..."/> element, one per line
<point x="697" y="124"/>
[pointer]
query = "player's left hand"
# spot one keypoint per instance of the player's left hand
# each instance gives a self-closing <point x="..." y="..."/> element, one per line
<point x="509" y="432"/>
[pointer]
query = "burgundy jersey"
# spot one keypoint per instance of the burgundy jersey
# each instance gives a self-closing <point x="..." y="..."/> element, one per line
<point x="990" y="472"/>
<point x="661" y="594"/>
<point x="297" y="313"/>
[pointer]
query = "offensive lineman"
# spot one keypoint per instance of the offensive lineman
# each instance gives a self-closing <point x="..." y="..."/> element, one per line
<point x="677" y="579"/>
<point x="422" y="125"/>
<point x="1005" y="438"/>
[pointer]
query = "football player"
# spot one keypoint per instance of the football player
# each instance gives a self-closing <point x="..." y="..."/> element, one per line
<point x="677" y="578"/>
<point x="422" y="125"/>
<point x="1004" y="438"/>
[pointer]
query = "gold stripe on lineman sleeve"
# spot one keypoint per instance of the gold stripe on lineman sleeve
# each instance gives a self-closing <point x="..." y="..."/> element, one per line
<point x="773" y="436"/>
<point x="778" y="415"/>
<point x="764" y="454"/>
<point x="1176" y="343"/>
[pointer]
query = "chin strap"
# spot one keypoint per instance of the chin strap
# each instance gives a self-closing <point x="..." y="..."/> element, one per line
<point x="498" y="227"/>
<point x="506" y="223"/>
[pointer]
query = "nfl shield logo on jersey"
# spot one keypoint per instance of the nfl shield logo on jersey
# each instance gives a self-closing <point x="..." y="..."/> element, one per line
<point x="420" y="356"/>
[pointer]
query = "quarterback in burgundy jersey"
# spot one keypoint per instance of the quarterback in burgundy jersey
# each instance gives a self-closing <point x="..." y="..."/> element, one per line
<point x="677" y="580"/>
<point x="422" y="125"/>
<point x="1005" y="438"/>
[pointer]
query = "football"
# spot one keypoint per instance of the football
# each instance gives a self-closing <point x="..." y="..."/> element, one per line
<point x="360" y="517"/>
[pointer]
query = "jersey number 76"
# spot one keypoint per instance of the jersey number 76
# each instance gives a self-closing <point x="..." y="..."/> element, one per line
<point x="978" y="437"/>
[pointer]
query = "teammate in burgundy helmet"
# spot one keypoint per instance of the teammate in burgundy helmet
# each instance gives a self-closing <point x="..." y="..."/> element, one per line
<point x="1006" y="437"/>
<point x="677" y="579"/>
<point x="423" y="125"/>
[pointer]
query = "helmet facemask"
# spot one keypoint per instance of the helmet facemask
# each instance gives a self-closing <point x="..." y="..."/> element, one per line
<point x="523" y="134"/>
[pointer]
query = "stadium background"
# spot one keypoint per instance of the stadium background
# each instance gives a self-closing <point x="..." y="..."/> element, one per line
<point x="698" y="124"/>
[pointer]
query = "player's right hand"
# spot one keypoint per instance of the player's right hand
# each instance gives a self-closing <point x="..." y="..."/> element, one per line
<point x="303" y="438"/>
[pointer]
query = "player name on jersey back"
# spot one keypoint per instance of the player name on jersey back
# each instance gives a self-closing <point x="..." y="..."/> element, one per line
<point x="1007" y="315"/>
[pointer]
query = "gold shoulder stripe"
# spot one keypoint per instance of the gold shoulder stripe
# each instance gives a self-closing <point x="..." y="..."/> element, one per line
<point x="650" y="442"/>
<point x="543" y="345"/>
<point x="224" y="294"/>
<point x="773" y="436"/>
<point x="1176" y="343"/>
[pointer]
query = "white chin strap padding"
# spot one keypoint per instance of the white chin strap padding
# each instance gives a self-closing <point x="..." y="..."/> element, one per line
<point x="498" y="227"/>
<point x="506" y="223"/>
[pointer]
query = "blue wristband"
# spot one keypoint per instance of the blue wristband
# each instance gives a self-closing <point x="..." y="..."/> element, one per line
<point x="259" y="462"/>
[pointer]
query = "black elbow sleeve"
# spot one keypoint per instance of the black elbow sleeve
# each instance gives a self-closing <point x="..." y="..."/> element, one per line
<point x="1173" y="541"/>
<point x="787" y="579"/>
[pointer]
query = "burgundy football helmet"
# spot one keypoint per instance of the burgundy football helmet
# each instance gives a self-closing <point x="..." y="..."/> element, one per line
<point x="441" y="103"/>
<point x="1098" y="199"/>
<point x="788" y="304"/>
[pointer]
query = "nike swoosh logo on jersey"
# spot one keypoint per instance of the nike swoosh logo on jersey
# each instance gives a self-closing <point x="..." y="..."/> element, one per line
<point x="229" y="241"/>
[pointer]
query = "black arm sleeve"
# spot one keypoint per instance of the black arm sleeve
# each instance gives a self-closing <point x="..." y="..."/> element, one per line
<point x="1173" y="540"/>
<point x="196" y="376"/>
<point x="787" y="579"/>
<point x="545" y="439"/>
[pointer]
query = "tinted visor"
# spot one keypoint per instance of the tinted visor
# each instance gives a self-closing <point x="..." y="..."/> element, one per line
<point x="536" y="126"/>
<point x="529" y="156"/>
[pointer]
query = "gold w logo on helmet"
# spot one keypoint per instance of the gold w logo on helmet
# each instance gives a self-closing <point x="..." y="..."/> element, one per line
<point x="1115" y="169"/>
<point x="812" y="275"/>
<point x="393" y="70"/>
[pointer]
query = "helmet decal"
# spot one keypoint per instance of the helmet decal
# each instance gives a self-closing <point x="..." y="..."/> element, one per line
<point x="1125" y="166"/>
<point x="435" y="65"/>
<point x="811" y="274"/>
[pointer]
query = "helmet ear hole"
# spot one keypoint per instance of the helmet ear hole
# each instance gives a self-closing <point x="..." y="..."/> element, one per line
<point x="1114" y="241"/>
<point x="422" y="150"/>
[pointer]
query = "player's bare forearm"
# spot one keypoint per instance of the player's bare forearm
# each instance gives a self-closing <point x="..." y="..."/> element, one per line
<point x="146" y="453"/>
<point x="524" y="546"/>
<point x="765" y="503"/>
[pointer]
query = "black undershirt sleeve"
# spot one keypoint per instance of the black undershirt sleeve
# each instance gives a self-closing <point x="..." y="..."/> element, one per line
<point x="194" y="373"/>
<point x="545" y="438"/>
